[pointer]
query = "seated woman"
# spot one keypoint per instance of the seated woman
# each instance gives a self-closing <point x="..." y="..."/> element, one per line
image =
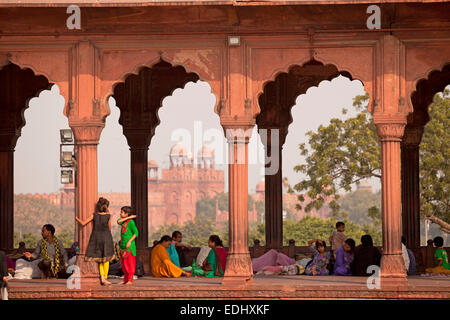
<point x="160" y="262"/>
<point x="344" y="257"/>
<point x="272" y="258"/>
<point x="365" y="255"/>
<point x="214" y="264"/>
<point x="319" y="265"/>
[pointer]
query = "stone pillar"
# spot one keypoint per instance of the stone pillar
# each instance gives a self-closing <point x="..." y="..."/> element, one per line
<point x="410" y="186"/>
<point x="139" y="141"/>
<point x="239" y="264"/>
<point x="7" y="143"/>
<point x="273" y="197"/>
<point x="87" y="135"/>
<point x="392" y="264"/>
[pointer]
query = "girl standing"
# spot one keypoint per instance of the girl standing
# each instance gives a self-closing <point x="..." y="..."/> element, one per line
<point x="100" y="248"/>
<point x="127" y="244"/>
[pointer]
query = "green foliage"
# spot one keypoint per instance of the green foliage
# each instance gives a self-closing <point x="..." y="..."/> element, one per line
<point x="435" y="160"/>
<point x="345" y="152"/>
<point x="310" y="228"/>
<point x="30" y="239"/>
<point x="356" y="205"/>
<point x="206" y="208"/>
<point x="30" y="214"/>
<point x="342" y="153"/>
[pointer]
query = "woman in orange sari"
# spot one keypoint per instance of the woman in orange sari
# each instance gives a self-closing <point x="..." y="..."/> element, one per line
<point x="160" y="261"/>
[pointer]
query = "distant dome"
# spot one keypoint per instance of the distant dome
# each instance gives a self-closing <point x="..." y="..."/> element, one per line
<point x="261" y="186"/>
<point x="178" y="150"/>
<point x="152" y="164"/>
<point x="205" y="152"/>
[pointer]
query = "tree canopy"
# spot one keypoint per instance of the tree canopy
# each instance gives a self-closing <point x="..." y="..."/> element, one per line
<point x="434" y="158"/>
<point x="348" y="151"/>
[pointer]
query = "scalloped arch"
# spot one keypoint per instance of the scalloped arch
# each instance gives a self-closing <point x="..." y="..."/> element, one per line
<point x="150" y="64"/>
<point x="289" y="68"/>
<point x="187" y="77"/>
<point x="434" y="81"/>
<point x="40" y="83"/>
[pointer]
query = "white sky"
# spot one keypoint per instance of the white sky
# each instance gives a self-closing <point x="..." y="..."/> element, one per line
<point x="36" y="166"/>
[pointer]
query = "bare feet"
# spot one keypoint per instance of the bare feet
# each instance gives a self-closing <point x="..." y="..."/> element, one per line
<point x="106" y="282"/>
<point x="123" y="282"/>
<point x="129" y="283"/>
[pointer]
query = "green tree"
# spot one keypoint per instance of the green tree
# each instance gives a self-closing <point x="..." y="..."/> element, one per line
<point x="342" y="153"/>
<point x="356" y="205"/>
<point x="206" y="208"/>
<point x="30" y="214"/>
<point x="348" y="151"/>
<point x="435" y="160"/>
<point x="310" y="228"/>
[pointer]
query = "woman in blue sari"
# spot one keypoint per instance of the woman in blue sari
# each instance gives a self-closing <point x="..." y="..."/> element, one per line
<point x="344" y="257"/>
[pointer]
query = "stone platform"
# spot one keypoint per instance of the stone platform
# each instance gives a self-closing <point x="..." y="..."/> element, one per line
<point x="263" y="287"/>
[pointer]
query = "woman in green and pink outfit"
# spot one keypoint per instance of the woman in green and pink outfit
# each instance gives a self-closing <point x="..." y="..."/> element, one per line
<point x="129" y="232"/>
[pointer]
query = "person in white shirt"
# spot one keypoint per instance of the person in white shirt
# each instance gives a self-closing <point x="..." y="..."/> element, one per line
<point x="405" y="257"/>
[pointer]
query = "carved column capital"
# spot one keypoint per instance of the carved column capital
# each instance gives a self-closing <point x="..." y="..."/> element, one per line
<point x="238" y="132"/>
<point x="390" y="131"/>
<point x="139" y="138"/>
<point x="8" y="138"/>
<point x="87" y="132"/>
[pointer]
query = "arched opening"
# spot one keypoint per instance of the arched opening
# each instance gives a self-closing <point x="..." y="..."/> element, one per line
<point x="295" y="88"/>
<point x="424" y="164"/>
<point x="166" y="173"/>
<point x="17" y="87"/>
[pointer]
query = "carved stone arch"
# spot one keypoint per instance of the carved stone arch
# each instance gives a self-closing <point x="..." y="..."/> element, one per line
<point x="17" y="87"/>
<point x="53" y="65"/>
<point x="422" y="97"/>
<point x="194" y="76"/>
<point x="279" y="95"/>
<point x="140" y="96"/>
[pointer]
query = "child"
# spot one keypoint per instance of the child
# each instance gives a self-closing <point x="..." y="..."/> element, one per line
<point x="129" y="232"/>
<point x="337" y="238"/>
<point x="101" y="247"/>
<point x="319" y="264"/>
<point x="443" y="267"/>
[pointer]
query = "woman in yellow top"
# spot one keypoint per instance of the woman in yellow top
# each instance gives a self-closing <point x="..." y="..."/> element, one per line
<point x="160" y="261"/>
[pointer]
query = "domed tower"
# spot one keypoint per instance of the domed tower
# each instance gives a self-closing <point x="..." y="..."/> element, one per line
<point x="205" y="158"/>
<point x="152" y="170"/>
<point x="178" y="155"/>
<point x="261" y="186"/>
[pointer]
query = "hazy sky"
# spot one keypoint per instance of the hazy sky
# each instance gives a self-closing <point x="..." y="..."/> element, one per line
<point x="187" y="114"/>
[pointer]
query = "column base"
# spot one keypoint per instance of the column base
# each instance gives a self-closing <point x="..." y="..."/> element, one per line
<point x="392" y="271"/>
<point x="89" y="274"/>
<point x="239" y="270"/>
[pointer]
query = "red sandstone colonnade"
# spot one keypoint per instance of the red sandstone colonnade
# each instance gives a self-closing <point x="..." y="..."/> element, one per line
<point x="248" y="80"/>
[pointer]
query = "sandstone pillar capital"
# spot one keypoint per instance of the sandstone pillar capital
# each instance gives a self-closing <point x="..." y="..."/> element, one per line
<point x="87" y="132"/>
